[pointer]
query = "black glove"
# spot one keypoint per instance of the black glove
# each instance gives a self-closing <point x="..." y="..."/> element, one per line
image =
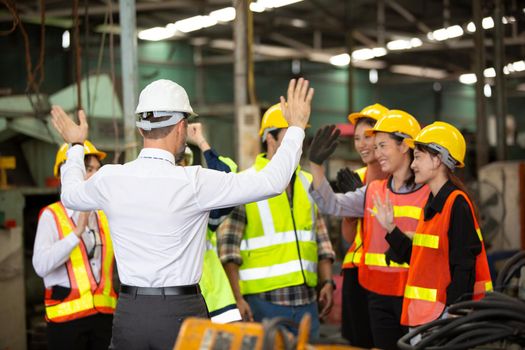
<point x="348" y="181"/>
<point x="324" y="144"/>
<point x="391" y="255"/>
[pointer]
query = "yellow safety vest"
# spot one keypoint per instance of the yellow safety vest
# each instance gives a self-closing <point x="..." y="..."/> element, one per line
<point x="215" y="286"/>
<point x="353" y="255"/>
<point x="86" y="297"/>
<point x="279" y="247"/>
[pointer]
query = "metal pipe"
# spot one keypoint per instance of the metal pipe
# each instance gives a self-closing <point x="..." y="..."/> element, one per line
<point x="128" y="49"/>
<point x="501" y="102"/>
<point x="240" y="67"/>
<point x="482" y="149"/>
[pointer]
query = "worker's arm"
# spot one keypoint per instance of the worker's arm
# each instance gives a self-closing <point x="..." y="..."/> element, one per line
<point x="217" y="190"/>
<point x="232" y="271"/>
<point x="338" y="204"/>
<point x="49" y="250"/>
<point x="349" y="229"/>
<point x="229" y="237"/>
<point x="326" y="256"/>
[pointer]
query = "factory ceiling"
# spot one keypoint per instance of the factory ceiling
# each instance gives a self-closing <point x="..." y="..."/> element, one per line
<point x="403" y="36"/>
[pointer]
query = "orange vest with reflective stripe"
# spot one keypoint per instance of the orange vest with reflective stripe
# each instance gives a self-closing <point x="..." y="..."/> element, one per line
<point x="353" y="255"/>
<point x="86" y="296"/>
<point x="374" y="273"/>
<point x="429" y="275"/>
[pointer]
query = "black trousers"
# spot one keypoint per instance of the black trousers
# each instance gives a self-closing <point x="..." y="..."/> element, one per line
<point x="355" y="325"/>
<point x="385" y="318"/>
<point x="153" y="322"/>
<point x="88" y="333"/>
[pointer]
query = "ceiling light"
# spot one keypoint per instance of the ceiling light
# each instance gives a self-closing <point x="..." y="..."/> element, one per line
<point x="65" y="39"/>
<point x="362" y="54"/>
<point x="157" y="33"/>
<point x="508" y="19"/>
<point x="487" y="91"/>
<point x="298" y="23"/>
<point x="379" y="51"/>
<point x="416" y="42"/>
<point x="454" y="31"/>
<point x="340" y="60"/>
<point x="373" y="77"/>
<point x="469" y="78"/>
<point x="487" y="23"/>
<point x="489" y="73"/>
<point x="519" y="66"/>
<point x="400" y="44"/>
<point x="195" y="23"/>
<point x="471" y="27"/>
<point x="226" y="14"/>
<point x="256" y="7"/>
<point x="507" y="69"/>
<point x="418" y="71"/>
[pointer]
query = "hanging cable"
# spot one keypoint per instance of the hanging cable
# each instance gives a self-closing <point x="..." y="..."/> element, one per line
<point x="76" y="40"/>
<point x="112" y="68"/>
<point x="86" y="55"/>
<point x="495" y="318"/>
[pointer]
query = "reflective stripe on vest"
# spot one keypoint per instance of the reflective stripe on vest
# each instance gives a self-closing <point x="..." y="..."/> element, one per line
<point x="272" y="236"/>
<point x="353" y="255"/>
<point x="429" y="275"/>
<point x="374" y="273"/>
<point x="86" y="297"/>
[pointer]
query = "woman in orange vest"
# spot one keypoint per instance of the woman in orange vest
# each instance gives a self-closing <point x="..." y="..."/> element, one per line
<point x="73" y="253"/>
<point x="379" y="271"/>
<point x="355" y="325"/>
<point x="447" y="255"/>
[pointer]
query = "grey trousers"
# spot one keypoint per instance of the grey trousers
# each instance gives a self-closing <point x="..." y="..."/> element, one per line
<point x="144" y="322"/>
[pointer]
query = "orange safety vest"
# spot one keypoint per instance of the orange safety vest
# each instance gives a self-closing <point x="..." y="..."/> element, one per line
<point x="353" y="255"/>
<point x="86" y="297"/>
<point x="374" y="273"/>
<point x="429" y="275"/>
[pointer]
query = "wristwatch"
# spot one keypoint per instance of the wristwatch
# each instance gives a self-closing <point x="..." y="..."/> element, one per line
<point x="329" y="281"/>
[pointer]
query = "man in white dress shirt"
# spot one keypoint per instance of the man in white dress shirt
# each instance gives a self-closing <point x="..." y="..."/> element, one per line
<point x="158" y="212"/>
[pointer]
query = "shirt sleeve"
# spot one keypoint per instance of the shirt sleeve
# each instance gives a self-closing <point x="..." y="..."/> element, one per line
<point x="464" y="247"/>
<point x="324" y="245"/>
<point x="214" y="162"/>
<point x="229" y="236"/>
<point x="221" y="190"/>
<point x="400" y="249"/>
<point x="77" y="193"/>
<point x="350" y="204"/>
<point x="49" y="251"/>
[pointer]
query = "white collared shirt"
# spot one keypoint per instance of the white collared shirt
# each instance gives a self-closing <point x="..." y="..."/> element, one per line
<point x="51" y="253"/>
<point x="158" y="212"/>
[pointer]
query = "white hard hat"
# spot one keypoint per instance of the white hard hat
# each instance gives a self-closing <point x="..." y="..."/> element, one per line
<point x="164" y="95"/>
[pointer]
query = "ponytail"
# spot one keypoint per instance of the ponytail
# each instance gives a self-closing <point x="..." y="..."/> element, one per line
<point x="461" y="186"/>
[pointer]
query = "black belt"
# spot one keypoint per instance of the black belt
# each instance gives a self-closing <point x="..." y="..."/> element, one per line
<point x="179" y="290"/>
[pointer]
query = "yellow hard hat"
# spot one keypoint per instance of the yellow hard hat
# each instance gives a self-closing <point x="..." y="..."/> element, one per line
<point x="445" y="139"/>
<point x="375" y="111"/>
<point x="396" y="122"/>
<point x="272" y="119"/>
<point x="89" y="149"/>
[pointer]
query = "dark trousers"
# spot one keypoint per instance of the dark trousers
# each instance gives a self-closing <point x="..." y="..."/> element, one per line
<point x="385" y="318"/>
<point x="153" y="322"/>
<point x="355" y="325"/>
<point x="88" y="333"/>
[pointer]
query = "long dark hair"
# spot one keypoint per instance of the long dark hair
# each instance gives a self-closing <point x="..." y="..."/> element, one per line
<point x="369" y="121"/>
<point x="411" y="181"/>
<point x="452" y="178"/>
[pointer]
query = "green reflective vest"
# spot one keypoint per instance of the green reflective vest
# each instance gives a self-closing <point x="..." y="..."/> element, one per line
<point x="279" y="247"/>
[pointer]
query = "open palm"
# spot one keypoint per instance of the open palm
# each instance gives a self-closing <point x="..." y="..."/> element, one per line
<point x="384" y="213"/>
<point x="70" y="131"/>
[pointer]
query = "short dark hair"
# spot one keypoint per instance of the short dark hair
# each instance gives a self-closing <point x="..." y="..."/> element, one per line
<point x="369" y="121"/>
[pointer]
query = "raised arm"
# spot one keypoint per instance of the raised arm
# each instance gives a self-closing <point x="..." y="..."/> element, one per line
<point x="217" y="190"/>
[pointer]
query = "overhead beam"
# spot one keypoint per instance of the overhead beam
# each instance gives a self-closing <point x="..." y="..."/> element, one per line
<point x="408" y="16"/>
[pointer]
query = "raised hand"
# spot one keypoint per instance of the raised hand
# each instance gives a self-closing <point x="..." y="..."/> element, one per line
<point x="70" y="131"/>
<point x="296" y="107"/>
<point x="348" y="181"/>
<point x="385" y="212"/>
<point x="323" y="144"/>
